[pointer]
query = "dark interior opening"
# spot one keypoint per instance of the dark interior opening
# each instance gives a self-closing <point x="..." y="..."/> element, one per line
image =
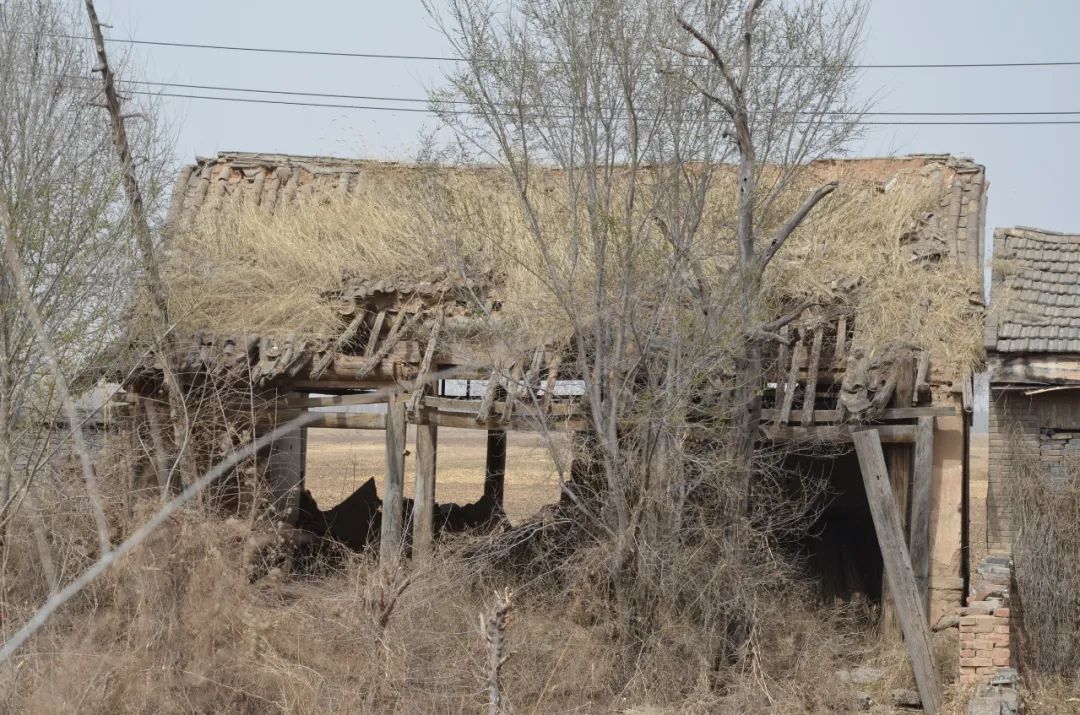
<point x="841" y="550"/>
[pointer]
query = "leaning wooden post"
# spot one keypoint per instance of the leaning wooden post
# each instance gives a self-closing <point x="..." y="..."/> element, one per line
<point x="392" y="517"/>
<point x="919" y="539"/>
<point x="898" y="572"/>
<point x="495" y="466"/>
<point x="427" y="441"/>
<point x="899" y="460"/>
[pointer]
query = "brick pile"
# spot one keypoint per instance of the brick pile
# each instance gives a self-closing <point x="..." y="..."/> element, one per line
<point x="985" y="648"/>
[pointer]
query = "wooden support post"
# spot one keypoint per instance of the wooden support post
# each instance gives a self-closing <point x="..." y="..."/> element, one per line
<point x="284" y="474"/>
<point x="495" y="466"/>
<point x="392" y="516"/>
<point x="899" y="461"/>
<point x="922" y="481"/>
<point x="898" y="571"/>
<point x="427" y="441"/>
<point x="167" y="482"/>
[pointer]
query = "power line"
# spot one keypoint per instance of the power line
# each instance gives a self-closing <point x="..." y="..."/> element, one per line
<point x="419" y="110"/>
<point x="421" y="100"/>
<point x="444" y="58"/>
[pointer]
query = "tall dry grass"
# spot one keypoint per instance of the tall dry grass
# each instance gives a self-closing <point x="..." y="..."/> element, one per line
<point x="178" y="626"/>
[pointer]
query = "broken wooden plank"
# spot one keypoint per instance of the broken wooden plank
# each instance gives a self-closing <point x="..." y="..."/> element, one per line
<point x="898" y="570"/>
<point x="792" y="381"/>
<point x="401" y="325"/>
<point x="373" y="334"/>
<point x="390" y="541"/>
<point x="840" y="352"/>
<point x="420" y="386"/>
<point x="810" y="393"/>
<point x="921" y="486"/>
<point x="346" y="335"/>
<point x="922" y="373"/>
<point x="490" y="391"/>
<point x="782" y="358"/>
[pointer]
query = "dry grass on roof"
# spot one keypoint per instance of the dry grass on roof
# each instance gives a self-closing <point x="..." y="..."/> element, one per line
<point x="861" y="236"/>
<point x="254" y="272"/>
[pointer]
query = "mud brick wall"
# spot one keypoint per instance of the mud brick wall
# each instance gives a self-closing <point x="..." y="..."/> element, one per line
<point x="985" y="633"/>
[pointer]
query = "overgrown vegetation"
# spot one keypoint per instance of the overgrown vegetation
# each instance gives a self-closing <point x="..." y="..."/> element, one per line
<point x="1046" y="551"/>
<point x="663" y="577"/>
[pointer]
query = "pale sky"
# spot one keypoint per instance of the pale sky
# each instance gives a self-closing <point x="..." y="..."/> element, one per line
<point x="1030" y="168"/>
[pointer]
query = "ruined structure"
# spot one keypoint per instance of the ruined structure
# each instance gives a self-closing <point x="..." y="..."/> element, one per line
<point x="397" y="336"/>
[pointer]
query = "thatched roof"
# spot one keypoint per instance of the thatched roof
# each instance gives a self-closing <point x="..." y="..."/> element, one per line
<point x="322" y="203"/>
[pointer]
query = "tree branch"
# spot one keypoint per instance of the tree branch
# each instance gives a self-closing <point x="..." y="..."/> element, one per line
<point x="714" y="54"/>
<point x="784" y="232"/>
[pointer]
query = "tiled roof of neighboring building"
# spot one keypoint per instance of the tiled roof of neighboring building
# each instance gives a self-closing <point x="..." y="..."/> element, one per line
<point x="1037" y="290"/>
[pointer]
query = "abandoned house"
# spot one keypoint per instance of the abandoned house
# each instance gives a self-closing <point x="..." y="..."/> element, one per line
<point x="862" y="353"/>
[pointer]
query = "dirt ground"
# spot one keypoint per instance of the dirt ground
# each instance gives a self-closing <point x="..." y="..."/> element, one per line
<point x="340" y="460"/>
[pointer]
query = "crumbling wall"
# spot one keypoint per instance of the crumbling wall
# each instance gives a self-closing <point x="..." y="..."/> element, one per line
<point x="985" y="637"/>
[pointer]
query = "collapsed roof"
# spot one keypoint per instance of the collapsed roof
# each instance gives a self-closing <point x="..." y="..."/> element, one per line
<point x="357" y="252"/>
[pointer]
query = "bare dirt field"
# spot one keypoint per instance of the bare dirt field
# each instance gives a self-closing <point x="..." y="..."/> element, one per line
<point x="340" y="460"/>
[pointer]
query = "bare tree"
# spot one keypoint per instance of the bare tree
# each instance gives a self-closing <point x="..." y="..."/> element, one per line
<point x="67" y="264"/>
<point x="787" y="104"/>
<point x="616" y="136"/>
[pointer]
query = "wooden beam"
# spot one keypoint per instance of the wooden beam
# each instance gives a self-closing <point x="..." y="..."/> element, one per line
<point x="889" y="413"/>
<point x="891" y="434"/>
<point x="468" y="421"/>
<point x="303" y="401"/>
<point x="344" y="420"/>
<point x="472" y="407"/>
<point x="495" y="466"/>
<point x="811" y="377"/>
<point x="427" y="440"/>
<point x="392" y="510"/>
<point x="922" y="482"/>
<point x="1034" y="369"/>
<point x="898" y="569"/>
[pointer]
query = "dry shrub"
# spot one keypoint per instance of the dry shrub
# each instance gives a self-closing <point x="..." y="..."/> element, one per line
<point x="246" y="270"/>
<point x="1046" y="551"/>
<point x="177" y="627"/>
